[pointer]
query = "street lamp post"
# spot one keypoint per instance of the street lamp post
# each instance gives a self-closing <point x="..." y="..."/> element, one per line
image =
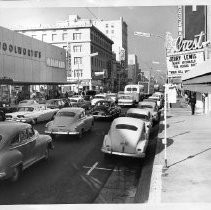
<point x="148" y="35"/>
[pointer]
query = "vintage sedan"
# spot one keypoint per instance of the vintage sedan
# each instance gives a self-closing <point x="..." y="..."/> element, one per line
<point x="142" y="114"/>
<point x="152" y="107"/>
<point x="78" y="101"/>
<point x="55" y="103"/>
<point x="100" y="97"/>
<point x="126" y="100"/>
<point x="27" y="102"/>
<point x="32" y="114"/>
<point x="20" y="147"/>
<point x="127" y="137"/>
<point x="105" y="109"/>
<point x="70" y="121"/>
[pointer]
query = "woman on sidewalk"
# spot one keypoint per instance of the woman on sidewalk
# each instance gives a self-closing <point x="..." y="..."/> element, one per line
<point x="192" y="102"/>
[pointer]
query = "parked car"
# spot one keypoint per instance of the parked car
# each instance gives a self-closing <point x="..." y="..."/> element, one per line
<point x="70" y="121"/>
<point x="27" y="102"/>
<point x="20" y="147"/>
<point x="6" y="108"/>
<point x="100" y="97"/>
<point x="152" y="107"/>
<point x="78" y="101"/>
<point x="55" y="103"/>
<point x="32" y="114"/>
<point x="105" y="109"/>
<point x="113" y="96"/>
<point x="127" y="137"/>
<point x="142" y="114"/>
<point x="126" y="100"/>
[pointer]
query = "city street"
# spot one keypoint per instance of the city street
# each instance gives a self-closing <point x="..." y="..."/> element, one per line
<point x="77" y="172"/>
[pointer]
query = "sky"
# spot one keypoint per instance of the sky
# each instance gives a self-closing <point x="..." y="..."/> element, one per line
<point x="155" y="19"/>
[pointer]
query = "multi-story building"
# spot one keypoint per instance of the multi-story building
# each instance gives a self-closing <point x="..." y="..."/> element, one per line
<point x="89" y="51"/>
<point x="132" y="68"/>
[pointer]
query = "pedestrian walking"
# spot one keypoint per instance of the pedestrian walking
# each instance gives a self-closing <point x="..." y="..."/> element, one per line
<point x="192" y="102"/>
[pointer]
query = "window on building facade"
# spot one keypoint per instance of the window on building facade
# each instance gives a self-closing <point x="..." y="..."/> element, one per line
<point x="78" y="73"/>
<point x="44" y="37"/>
<point x="76" y="36"/>
<point x="77" y="60"/>
<point x="77" y="48"/>
<point x="64" y="36"/>
<point x="54" y="37"/>
<point x="112" y="31"/>
<point x="106" y="25"/>
<point x="112" y="26"/>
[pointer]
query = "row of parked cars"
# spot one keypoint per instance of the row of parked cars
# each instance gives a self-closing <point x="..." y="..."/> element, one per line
<point x="21" y="145"/>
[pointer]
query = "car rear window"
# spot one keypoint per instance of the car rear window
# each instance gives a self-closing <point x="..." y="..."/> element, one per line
<point x="127" y="127"/>
<point x="99" y="97"/>
<point x="65" y="114"/>
<point x="23" y="109"/>
<point x="138" y="116"/>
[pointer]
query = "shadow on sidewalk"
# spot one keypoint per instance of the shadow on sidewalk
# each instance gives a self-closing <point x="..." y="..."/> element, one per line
<point x="160" y="145"/>
<point x="189" y="157"/>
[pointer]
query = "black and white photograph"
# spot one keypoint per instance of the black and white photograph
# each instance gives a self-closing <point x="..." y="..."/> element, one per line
<point x="105" y="102"/>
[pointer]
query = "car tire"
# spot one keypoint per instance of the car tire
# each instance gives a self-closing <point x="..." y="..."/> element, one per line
<point x="34" y="121"/>
<point x="80" y="135"/>
<point x="16" y="174"/>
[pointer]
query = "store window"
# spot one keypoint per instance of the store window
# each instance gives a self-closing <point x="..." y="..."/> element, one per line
<point x="44" y="37"/>
<point x="77" y="60"/>
<point x="77" y="48"/>
<point x="76" y="36"/>
<point x="64" y="36"/>
<point x="54" y="37"/>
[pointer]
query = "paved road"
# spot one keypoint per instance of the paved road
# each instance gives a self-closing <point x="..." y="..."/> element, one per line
<point x="67" y="177"/>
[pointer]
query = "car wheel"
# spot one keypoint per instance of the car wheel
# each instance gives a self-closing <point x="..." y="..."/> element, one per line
<point x="46" y="153"/>
<point x="80" y="134"/>
<point x="34" y="121"/>
<point x="16" y="174"/>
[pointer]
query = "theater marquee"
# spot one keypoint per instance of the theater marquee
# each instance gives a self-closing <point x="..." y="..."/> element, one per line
<point x="180" y="63"/>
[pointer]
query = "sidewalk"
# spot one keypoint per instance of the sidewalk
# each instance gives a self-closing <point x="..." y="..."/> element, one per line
<point x="188" y="175"/>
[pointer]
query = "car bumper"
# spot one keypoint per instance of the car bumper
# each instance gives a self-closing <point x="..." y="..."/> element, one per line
<point x="62" y="132"/>
<point x="138" y="155"/>
<point x="102" y="116"/>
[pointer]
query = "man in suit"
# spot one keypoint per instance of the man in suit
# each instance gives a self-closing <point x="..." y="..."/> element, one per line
<point x="192" y="102"/>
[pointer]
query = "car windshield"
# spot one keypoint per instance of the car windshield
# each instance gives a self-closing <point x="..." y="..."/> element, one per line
<point x="51" y="102"/>
<point x="127" y="127"/>
<point x="99" y="97"/>
<point x="125" y="97"/>
<point x="138" y="116"/>
<point x="145" y="106"/>
<point x="65" y="114"/>
<point x="23" y="109"/>
<point x="131" y="89"/>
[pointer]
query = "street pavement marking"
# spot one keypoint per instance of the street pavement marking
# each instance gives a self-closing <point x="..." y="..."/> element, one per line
<point x="92" y="168"/>
<point x="108" y="169"/>
<point x="156" y="185"/>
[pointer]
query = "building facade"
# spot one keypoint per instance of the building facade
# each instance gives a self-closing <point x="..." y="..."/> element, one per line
<point x="89" y="51"/>
<point x="196" y="20"/>
<point x="132" y="68"/>
<point x="25" y="61"/>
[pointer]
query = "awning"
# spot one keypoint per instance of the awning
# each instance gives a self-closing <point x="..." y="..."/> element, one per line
<point x="201" y="88"/>
<point x="198" y="71"/>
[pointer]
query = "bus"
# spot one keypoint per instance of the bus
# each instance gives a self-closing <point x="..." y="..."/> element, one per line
<point x="136" y="90"/>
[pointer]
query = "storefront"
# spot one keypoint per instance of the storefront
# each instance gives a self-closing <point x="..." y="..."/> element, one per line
<point x="28" y="65"/>
<point x="199" y="80"/>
